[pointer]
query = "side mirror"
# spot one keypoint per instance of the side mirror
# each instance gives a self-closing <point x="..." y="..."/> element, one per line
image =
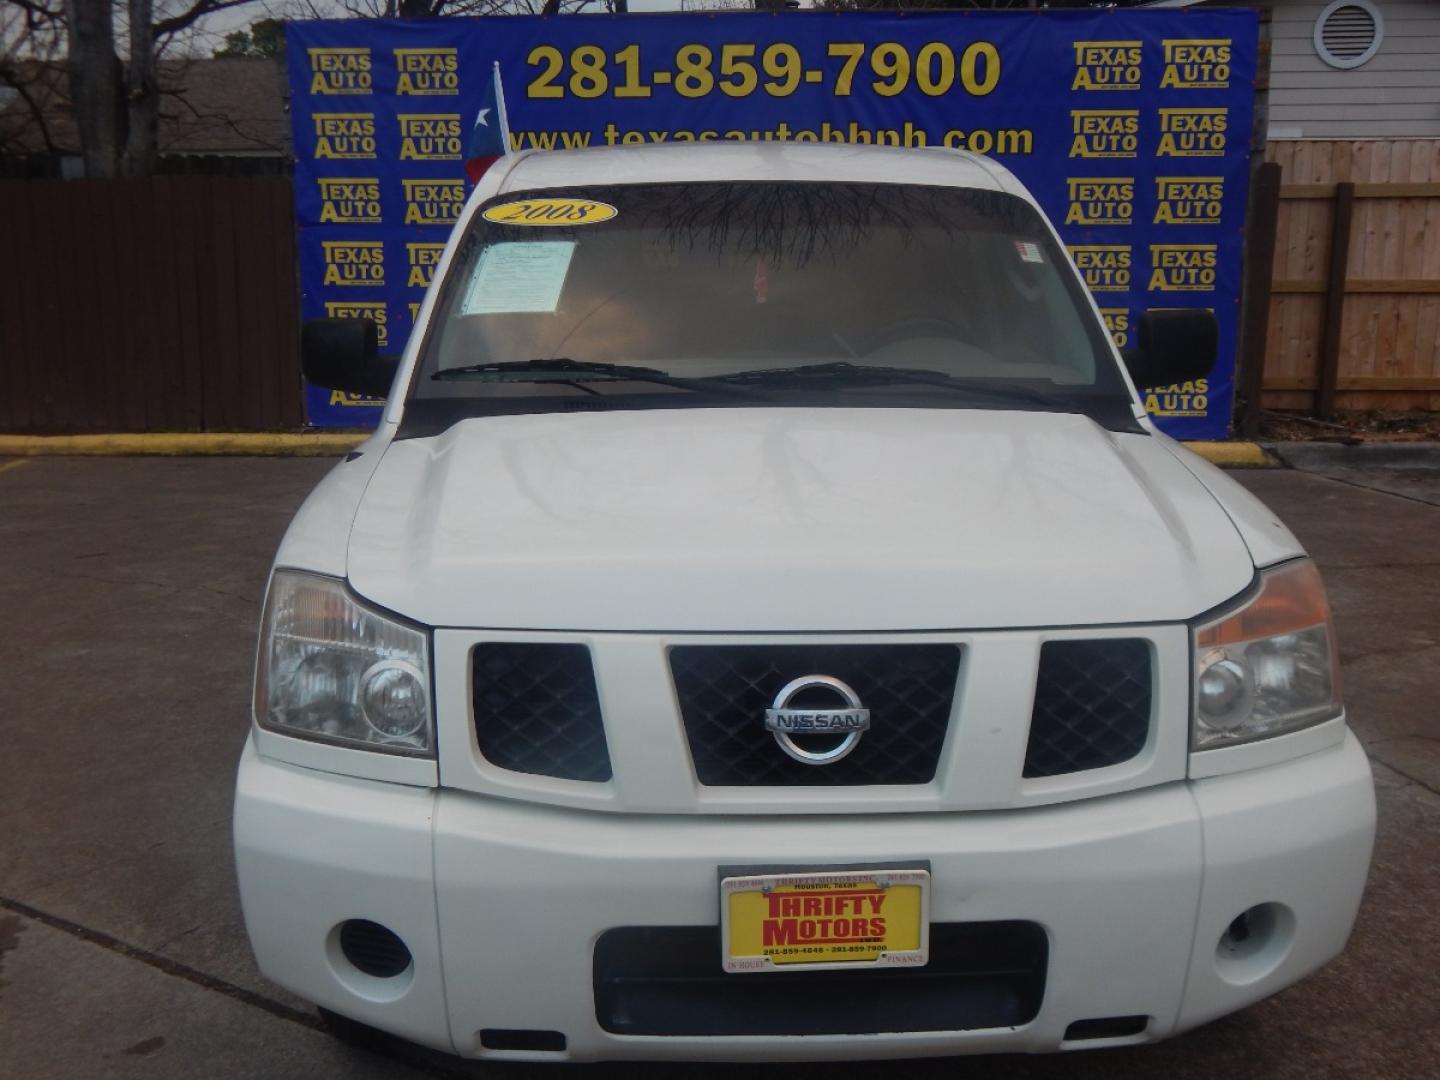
<point x="340" y="354"/>
<point x="1173" y="345"/>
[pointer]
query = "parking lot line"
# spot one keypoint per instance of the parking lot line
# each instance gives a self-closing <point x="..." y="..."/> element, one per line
<point x="13" y="464"/>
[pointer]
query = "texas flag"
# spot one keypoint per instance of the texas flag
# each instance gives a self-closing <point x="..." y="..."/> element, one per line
<point x="490" y="135"/>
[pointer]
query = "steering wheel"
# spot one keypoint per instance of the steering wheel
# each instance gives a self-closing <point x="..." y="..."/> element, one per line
<point x="919" y="326"/>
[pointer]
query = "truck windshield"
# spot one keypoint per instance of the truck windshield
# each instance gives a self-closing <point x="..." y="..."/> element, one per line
<point x="813" y="289"/>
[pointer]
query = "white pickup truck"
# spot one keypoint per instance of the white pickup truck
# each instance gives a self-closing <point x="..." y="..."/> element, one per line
<point x="766" y="625"/>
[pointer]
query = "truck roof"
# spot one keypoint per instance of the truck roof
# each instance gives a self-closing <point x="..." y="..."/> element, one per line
<point x="702" y="162"/>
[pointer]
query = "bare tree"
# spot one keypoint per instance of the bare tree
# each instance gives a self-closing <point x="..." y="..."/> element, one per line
<point x="117" y="103"/>
<point x="109" y="51"/>
<point x="31" y="38"/>
<point x="434" y="9"/>
<point x="96" y="76"/>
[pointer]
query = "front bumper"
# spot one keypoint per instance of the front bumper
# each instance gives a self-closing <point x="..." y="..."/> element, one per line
<point x="501" y="903"/>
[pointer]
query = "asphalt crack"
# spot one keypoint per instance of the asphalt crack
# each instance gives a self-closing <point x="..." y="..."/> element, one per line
<point x="9" y="938"/>
<point x="383" y="1046"/>
<point x="1398" y="650"/>
<point x="249" y="600"/>
<point x="1418" y="500"/>
<point x="161" y="963"/>
<point x="1339" y="566"/>
<point x="1411" y="777"/>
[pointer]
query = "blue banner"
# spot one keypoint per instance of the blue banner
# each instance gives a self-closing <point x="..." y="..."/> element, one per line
<point x="1132" y="128"/>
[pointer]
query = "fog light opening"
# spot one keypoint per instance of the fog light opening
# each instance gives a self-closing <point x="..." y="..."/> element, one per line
<point x="370" y="960"/>
<point x="1255" y="943"/>
<point x="374" y="949"/>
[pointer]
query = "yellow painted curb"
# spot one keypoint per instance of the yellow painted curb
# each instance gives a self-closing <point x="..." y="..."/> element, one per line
<point x="1245" y="455"/>
<point x="291" y="444"/>
<point x="262" y="444"/>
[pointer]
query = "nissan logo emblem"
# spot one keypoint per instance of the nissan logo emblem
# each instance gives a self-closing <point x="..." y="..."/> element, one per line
<point x="851" y="719"/>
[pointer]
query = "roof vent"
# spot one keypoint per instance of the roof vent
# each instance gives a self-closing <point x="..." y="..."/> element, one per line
<point x="1348" y="33"/>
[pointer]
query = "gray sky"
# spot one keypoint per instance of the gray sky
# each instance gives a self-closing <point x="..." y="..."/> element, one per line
<point x="240" y="18"/>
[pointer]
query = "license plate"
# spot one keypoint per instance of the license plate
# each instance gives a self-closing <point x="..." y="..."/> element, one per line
<point x="825" y="920"/>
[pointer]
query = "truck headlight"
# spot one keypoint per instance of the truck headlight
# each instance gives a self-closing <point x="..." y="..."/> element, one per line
<point x="1270" y="666"/>
<point x="332" y="669"/>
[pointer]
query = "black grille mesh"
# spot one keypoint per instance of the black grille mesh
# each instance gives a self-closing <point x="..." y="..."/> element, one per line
<point x="724" y="691"/>
<point x="537" y="710"/>
<point x="374" y="949"/>
<point x="667" y="980"/>
<point x="1092" y="705"/>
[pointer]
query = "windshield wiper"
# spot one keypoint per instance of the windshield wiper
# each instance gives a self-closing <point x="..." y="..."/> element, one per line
<point x="563" y="369"/>
<point x="866" y="373"/>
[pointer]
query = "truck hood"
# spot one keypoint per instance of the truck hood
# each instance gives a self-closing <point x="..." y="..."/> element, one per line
<point x="777" y="519"/>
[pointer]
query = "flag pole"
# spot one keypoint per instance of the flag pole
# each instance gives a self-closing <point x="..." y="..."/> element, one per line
<point x="500" y="106"/>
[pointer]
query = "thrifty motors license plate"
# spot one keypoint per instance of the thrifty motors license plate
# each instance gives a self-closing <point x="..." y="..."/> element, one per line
<point x="836" y="919"/>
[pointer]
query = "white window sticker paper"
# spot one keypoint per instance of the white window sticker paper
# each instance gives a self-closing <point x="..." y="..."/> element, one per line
<point x="518" y="278"/>
<point x="1029" y="252"/>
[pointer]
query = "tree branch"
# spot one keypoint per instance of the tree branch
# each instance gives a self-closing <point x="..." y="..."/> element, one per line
<point x="198" y="10"/>
<point x="35" y="9"/>
<point x="220" y="118"/>
<point x="36" y="112"/>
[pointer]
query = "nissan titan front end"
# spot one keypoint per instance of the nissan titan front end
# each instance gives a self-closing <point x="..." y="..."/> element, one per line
<point x="765" y="626"/>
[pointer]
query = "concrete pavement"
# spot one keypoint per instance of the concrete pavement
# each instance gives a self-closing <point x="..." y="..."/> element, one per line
<point x="130" y="590"/>
<point x="76" y="1009"/>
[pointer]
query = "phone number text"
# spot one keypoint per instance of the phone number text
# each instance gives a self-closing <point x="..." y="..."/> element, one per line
<point x="738" y="70"/>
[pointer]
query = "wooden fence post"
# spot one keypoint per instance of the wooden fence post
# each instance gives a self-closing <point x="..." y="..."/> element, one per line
<point x="1334" y="300"/>
<point x="1263" y="222"/>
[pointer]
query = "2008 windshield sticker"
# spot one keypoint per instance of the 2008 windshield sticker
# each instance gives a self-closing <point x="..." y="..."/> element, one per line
<point x="550" y="211"/>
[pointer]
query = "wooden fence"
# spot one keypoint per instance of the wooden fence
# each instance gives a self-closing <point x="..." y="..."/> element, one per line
<point x="162" y="303"/>
<point x="1361" y="331"/>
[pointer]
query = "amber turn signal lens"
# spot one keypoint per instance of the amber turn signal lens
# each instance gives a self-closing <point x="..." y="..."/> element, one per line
<point x="1291" y="598"/>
